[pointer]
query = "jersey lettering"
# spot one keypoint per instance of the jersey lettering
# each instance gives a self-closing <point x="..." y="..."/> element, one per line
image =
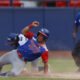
<point x="22" y="39"/>
<point x="34" y="47"/>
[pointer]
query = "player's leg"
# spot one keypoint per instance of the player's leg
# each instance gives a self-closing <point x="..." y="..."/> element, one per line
<point x="35" y="65"/>
<point x="5" y="59"/>
<point x="18" y="67"/>
<point x="17" y="63"/>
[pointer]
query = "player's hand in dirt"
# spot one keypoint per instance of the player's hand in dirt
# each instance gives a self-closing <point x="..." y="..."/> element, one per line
<point x="35" y="23"/>
<point x="49" y="69"/>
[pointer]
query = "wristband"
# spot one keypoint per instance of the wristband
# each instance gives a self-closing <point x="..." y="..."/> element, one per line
<point x="31" y="26"/>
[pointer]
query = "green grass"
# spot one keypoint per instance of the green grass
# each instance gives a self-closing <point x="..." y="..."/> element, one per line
<point x="63" y="65"/>
<point x="56" y="65"/>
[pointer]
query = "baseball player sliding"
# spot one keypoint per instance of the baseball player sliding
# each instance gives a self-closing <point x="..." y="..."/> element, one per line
<point x="29" y="48"/>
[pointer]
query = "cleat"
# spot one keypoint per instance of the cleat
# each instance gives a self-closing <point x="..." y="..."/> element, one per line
<point x="3" y="74"/>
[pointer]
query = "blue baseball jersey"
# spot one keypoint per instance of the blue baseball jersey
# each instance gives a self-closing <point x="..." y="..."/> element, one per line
<point x="77" y="20"/>
<point x="29" y="48"/>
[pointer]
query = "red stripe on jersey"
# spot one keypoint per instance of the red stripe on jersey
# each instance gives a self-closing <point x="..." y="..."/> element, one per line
<point x="44" y="56"/>
<point x="29" y="35"/>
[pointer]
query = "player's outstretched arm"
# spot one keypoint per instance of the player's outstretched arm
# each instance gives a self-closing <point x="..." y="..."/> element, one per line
<point x="27" y="28"/>
<point x="74" y="33"/>
<point x="45" y="67"/>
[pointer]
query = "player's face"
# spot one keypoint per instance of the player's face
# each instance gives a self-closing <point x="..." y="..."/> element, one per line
<point x="40" y="38"/>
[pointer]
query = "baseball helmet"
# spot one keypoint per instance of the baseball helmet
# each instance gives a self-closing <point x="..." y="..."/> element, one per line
<point x="44" y="32"/>
<point x="12" y="37"/>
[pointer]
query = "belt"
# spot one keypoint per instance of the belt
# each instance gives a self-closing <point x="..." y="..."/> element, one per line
<point x="20" y="56"/>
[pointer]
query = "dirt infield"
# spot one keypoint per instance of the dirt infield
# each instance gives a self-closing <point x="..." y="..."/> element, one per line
<point x="64" y="75"/>
<point x="60" y="54"/>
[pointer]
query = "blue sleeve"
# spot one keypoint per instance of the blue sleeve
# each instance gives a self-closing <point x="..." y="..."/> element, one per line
<point x="77" y="20"/>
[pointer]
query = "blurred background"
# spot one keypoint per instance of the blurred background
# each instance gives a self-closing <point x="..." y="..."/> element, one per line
<point x="56" y="15"/>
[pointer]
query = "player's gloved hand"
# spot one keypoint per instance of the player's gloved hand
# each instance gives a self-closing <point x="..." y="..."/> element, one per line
<point x="74" y="35"/>
<point x="35" y="23"/>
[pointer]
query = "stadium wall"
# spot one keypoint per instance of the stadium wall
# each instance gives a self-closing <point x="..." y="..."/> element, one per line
<point x="60" y="22"/>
